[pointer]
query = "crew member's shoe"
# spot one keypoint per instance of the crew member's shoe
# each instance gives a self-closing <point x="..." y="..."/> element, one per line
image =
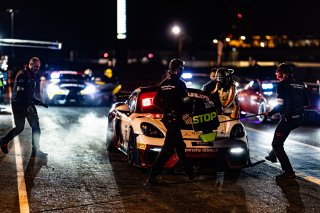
<point x="4" y="147"/>
<point x="286" y="175"/>
<point x="271" y="159"/>
<point x="156" y="180"/>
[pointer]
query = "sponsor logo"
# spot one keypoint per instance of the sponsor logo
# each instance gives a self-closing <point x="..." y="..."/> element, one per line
<point x="204" y="117"/>
<point x="197" y="150"/>
<point x="202" y="143"/>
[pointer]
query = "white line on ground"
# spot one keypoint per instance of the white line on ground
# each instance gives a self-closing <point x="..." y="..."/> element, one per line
<point x="22" y="192"/>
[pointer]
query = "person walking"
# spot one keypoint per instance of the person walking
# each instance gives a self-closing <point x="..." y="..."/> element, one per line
<point x="23" y="106"/>
<point x="292" y="97"/>
<point x="170" y="98"/>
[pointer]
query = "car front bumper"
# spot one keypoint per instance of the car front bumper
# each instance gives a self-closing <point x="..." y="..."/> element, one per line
<point x="221" y="153"/>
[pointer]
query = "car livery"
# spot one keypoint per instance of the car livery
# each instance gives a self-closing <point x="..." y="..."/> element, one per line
<point x="135" y="128"/>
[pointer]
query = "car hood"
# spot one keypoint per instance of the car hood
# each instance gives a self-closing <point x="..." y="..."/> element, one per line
<point x="223" y="130"/>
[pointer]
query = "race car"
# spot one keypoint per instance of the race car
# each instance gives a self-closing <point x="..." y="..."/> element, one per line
<point x="312" y="112"/>
<point x="258" y="96"/>
<point x="135" y="128"/>
<point x="72" y="87"/>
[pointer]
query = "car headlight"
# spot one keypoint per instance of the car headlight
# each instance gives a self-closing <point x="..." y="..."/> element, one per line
<point x="237" y="131"/>
<point x="89" y="90"/>
<point x="272" y="103"/>
<point x="150" y="130"/>
<point x="236" y="150"/>
<point x="54" y="89"/>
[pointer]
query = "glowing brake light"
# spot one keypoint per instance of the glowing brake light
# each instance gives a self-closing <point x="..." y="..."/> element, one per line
<point x="147" y="102"/>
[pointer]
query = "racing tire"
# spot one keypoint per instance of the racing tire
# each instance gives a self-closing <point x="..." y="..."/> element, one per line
<point x="132" y="152"/>
<point x="262" y="109"/>
<point x="111" y="138"/>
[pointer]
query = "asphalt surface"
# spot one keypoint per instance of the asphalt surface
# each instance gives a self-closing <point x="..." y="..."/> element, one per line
<point x="79" y="175"/>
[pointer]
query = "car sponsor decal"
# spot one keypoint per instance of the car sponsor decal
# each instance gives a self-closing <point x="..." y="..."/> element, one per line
<point x="207" y="117"/>
<point x="197" y="150"/>
<point x="200" y="143"/>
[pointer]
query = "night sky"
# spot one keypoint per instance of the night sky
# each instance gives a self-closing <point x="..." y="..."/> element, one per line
<point x="91" y="25"/>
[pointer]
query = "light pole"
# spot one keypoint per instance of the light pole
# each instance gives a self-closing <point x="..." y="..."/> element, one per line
<point x="12" y="12"/>
<point x="176" y="31"/>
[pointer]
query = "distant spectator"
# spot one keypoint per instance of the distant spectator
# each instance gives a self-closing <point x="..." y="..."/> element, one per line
<point x="254" y="68"/>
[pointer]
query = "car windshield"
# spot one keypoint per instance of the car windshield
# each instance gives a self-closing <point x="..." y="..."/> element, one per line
<point x="66" y="76"/>
<point x="71" y="77"/>
<point x="195" y="80"/>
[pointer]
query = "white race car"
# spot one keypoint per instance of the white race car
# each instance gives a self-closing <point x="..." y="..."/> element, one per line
<point x="136" y="129"/>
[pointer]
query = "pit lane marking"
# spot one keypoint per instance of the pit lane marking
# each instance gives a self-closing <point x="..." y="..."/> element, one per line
<point x="22" y="192"/>
<point x="306" y="177"/>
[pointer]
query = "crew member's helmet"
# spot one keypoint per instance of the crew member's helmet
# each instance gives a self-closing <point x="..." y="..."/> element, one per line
<point x="224" y="75"/>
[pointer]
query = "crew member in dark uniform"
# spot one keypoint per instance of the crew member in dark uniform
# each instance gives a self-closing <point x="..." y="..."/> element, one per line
<point x="292" y="97"/>
<point x="211" y="90"/>
<point x="170" y="98"/>
<point x="23" y="106"/>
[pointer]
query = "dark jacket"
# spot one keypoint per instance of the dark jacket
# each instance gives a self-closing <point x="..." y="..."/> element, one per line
<point x="209" y="87"/>
<point x="214" y="97"/>
<point x="24" y="87"/>
<point x="170" y="95"/>
<point x="294" y="96"/>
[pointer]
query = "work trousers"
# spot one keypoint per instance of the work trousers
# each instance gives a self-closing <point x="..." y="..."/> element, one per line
<point x="20" y="113"/>
<point x="283" y="129"/>
<point x="173" y="143"/>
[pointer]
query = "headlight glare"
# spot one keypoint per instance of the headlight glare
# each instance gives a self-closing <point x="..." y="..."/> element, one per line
<point x="89" y="90"/>
<point x="272" y="103"/>
<point x="236" y="150"/>
<point x="155" y="149"/>
<point x="54" y="89"/>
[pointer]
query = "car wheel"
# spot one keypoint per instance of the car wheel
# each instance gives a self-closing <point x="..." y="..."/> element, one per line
<point x="111" y="138"/>
<point x="262" y="109"/>
<point x="132" y="154"/>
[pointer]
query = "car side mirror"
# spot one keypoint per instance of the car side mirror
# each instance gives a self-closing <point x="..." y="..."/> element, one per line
<point x="124" y="109"/>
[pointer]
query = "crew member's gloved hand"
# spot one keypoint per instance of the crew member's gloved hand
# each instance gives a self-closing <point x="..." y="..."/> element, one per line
<point x="266" y="114"/>
<point x="45" y="105"/>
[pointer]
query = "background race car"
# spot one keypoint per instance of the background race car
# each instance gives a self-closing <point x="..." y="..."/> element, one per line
<point x="312" y="112"/>
<point x="136" y="129"/>
<point x="72" y="87"/>
<point x="258" y="96"/>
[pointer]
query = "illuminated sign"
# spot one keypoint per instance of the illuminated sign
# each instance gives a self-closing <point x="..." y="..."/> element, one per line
<point x="121" y="19"/>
